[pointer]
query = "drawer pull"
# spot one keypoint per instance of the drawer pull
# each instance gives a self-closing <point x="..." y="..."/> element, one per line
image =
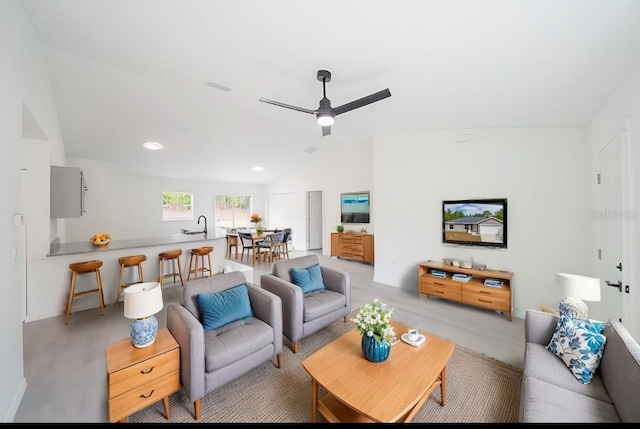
<point x="148" y="396"/>
<point x="438" y="291"/>
<point x="147" y="372"/>
<point x="484" y="300"/>
<point x="439" y="284"/>
<point x="485" y="291"/>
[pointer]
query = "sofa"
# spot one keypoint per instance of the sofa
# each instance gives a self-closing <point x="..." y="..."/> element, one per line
<point x="550" y="393"/>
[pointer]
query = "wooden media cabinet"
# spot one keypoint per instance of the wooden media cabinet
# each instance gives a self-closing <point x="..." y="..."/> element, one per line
<point x="473" y="292"/>
<point x="353" y="245"/>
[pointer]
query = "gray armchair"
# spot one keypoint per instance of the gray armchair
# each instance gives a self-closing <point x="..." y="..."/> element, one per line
<point x="304" y="314"/>
<point x="211" y="358"/>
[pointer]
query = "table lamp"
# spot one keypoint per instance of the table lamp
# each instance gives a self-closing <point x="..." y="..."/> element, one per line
<point x="576" y="288"/>
<point x="141" y="302"/>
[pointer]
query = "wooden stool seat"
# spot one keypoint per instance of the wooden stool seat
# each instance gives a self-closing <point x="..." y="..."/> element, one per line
<point x="198" y="255"/>
<point x="173" y="256"/>
<point x="232" y="242"/>
<point x="84" y="268"/>
<point x="127" y="262"/>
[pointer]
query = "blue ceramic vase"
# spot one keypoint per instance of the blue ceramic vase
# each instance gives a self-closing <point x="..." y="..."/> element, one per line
<point x="373" y="350"/>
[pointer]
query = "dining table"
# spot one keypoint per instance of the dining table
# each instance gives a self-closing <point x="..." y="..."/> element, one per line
<point x="232" y="239"/>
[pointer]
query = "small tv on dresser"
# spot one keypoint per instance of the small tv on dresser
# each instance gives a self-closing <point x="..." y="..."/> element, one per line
<point x="475" y="222"/>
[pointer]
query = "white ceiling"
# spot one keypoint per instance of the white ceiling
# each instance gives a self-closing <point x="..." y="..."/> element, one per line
<point x="127" y="71"/>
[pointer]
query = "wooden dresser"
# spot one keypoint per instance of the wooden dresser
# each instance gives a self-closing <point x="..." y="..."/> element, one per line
<point x="473" y="292"/>
<point x="139" y="377"/>
<point x="353" y="245"/>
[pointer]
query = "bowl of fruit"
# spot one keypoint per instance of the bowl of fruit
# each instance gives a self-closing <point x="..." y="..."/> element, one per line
<point x="101" y="239"/>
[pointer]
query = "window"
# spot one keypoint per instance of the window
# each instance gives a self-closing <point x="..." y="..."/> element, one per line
<point x="233" y="211"/>
<point x="177" y="206"/>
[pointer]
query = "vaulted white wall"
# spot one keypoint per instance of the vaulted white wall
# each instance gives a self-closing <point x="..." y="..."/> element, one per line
<point x="129" y="206"/>
<point x="544" y="174"/>
<point x="347" y="171"/>
<point x="24" y="81"/>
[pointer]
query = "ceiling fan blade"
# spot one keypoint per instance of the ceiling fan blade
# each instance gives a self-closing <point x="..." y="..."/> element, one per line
<point x="326" y="130"/>
<point x="288" y="106"/>
<point x="380" y="95"/>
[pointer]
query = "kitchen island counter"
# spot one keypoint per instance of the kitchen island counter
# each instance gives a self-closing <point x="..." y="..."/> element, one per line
<point x="80" y="247"/>
<point x="48" y="282"/>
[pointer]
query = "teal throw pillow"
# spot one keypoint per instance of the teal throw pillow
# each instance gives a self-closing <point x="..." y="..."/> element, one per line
<point x="218" y="309"/>
<point x="580" y="344"/>
<point x="309" y="279"/>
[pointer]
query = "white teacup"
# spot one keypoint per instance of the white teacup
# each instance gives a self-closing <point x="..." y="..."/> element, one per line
<point x="413" y="335"/>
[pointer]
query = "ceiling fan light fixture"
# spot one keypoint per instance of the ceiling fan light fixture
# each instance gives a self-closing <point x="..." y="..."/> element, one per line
<point x="325" y="114"/>
<point x="326" y="120"/>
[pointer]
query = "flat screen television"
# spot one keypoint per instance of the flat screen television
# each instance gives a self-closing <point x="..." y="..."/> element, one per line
<point x="475" y="222"/>
<point x="355" y="207"/>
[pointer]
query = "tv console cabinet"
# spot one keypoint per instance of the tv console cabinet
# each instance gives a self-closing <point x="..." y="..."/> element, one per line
<point x="352" y="245"/>
<point x="472" y="292"/>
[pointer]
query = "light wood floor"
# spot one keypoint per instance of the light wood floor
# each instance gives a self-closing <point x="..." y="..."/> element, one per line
<point x="65" y="365"/>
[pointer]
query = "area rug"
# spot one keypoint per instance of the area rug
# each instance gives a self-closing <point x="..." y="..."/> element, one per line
<point x="479" y="390"/>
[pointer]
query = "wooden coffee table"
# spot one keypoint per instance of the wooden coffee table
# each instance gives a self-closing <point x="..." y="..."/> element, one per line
<point x="387" y="392"/>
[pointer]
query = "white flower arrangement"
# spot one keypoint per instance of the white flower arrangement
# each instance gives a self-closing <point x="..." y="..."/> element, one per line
<point x="373" y="320"/>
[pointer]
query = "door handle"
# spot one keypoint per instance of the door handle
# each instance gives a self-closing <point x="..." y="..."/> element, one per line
<point x="617" y="285"/>
<point x="619" y="266"/>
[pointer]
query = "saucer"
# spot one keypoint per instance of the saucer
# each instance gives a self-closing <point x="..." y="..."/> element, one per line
<point x="416" y="343"/>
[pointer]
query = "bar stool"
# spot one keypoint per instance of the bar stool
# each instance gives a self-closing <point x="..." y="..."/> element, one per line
<point x="173" y="256"/>
<point x="232" y="242"/>
<point x="196" y="254"/>
<point x="84" y="268"/>
<point x="129" y="262"/>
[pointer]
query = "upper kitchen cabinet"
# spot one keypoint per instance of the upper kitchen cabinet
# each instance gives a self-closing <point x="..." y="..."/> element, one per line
<point x="67" y="192"/>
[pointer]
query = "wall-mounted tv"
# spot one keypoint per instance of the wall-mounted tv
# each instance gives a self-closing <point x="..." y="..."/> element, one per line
<point x="355" y="207"/>
<point x="475" y="222"/>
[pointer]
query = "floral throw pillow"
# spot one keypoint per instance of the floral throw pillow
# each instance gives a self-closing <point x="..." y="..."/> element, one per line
<point x="579" y="343"/>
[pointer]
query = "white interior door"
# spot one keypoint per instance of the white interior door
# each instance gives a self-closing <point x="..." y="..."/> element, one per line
<point x="613" y="222"/>
<point x="281" y="210"/>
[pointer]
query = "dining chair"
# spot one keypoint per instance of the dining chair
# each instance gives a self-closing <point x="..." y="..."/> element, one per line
<point x="285" y="243"/>
<point x="246" y="241"/>
<point x="270" y="246"/>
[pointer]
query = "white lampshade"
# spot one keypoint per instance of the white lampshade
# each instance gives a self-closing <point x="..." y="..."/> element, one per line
<point x="142" y="300"/>
<point x="325" y="120"/>
<point x="577" y="286"/>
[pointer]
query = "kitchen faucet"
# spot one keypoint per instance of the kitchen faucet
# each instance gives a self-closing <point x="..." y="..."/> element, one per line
<point x="205" y="222"/>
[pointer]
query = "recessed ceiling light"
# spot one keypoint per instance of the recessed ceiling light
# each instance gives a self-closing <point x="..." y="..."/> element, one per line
<point x="257" y="168"/>
<point x="152" y="146"/>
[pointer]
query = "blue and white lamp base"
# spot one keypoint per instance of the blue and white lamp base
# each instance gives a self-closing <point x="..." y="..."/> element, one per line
<point x="143" y="331"/>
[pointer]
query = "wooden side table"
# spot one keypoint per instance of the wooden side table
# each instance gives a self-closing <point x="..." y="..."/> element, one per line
<point x="140" y="377"/>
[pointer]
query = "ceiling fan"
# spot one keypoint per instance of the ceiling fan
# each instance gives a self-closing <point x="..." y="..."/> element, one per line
<point x="325" y="114"/>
